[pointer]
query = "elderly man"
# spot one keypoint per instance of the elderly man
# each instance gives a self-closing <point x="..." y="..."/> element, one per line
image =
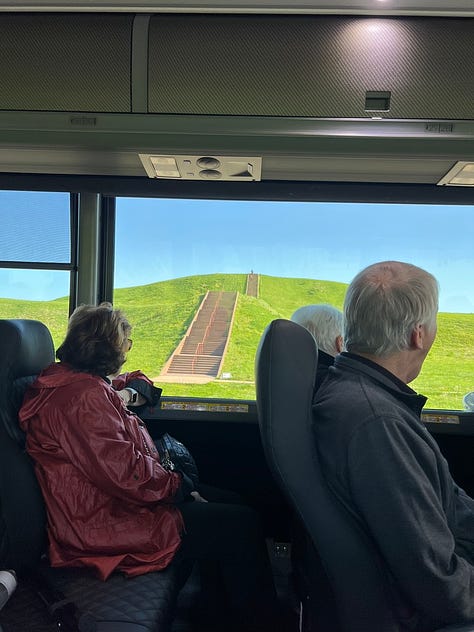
<point x="324" y="322"/>
<point x="380" y="460"/>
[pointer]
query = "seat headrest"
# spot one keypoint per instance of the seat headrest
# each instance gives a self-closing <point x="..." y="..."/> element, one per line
<point x="286" y="364"/>
<point x="26" y="348"/>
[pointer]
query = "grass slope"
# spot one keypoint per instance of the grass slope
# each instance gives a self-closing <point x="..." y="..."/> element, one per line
<point x="53" y="313"/>
<point x="161" y="313"/>
<point x="448" y="371"/>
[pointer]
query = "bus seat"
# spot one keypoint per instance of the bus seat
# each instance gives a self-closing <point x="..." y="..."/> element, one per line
<point x="351" y="591"/>
<point x="140" y="604"/>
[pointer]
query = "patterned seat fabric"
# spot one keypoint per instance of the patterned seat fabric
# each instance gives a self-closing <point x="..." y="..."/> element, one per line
<point x="147" y="600"/>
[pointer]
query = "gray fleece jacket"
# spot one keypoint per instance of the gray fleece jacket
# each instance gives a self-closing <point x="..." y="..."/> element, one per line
<point x="382" y="462"/>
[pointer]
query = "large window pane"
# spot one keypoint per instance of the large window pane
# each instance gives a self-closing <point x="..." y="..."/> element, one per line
<point x="35" y="256"/>
<point x="36" y="284"/>
<point x="35" y="226"/>
<point x="270" y="258"/>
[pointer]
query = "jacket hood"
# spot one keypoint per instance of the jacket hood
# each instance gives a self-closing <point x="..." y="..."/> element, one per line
<point x="54" y="377"/>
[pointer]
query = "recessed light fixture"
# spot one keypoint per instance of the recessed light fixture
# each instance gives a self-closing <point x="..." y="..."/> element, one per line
<point x="461" y="175"/>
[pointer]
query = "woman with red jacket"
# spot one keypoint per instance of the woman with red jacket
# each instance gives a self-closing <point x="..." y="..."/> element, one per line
<point x="110" y="503"/>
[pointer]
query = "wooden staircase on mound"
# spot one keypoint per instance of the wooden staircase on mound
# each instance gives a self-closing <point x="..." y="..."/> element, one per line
<point x="201" y="351"/>
<point x="252" y="285"/>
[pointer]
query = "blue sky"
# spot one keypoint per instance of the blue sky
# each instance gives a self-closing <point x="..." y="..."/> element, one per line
<point x="308" y="240"/>
<point x="164" y="239"/>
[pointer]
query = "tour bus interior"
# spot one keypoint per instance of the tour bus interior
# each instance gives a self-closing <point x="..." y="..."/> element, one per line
<point x="246" y="157"/>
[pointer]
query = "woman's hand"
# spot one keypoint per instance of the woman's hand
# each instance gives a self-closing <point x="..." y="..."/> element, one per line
<point x="126" y="395"/>
<point x="198" y="498"/>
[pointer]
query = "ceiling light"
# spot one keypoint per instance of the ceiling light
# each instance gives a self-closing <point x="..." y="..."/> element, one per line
<point x="461" y="175"/>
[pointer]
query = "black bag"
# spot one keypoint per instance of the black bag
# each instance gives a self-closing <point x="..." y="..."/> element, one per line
<point x="176" y="456"/>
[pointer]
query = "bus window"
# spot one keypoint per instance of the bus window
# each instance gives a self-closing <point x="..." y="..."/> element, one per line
<point x="200" y="280"/>
<point x="36" y="258"/>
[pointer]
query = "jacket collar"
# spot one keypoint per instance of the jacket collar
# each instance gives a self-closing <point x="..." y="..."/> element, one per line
<point x="388" y="381"/>
<point x="325" y="359"/>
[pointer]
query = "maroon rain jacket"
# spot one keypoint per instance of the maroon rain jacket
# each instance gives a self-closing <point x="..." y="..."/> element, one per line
<point x="109" y="501"/>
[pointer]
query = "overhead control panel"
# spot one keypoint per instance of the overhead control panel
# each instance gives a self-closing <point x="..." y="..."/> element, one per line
<point x="228" y="168"/>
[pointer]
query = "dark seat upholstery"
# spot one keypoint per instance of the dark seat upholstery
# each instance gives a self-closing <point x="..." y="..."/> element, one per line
<point x="349" y="588"/>
<point x="144" y="603"/>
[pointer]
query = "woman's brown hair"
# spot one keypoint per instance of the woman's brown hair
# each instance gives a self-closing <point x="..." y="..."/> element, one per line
<point x="95" y="340"/>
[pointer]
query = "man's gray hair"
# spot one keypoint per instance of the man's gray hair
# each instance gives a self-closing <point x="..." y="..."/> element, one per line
<point x="324" y="322"/>
<point x="383" y="305"/>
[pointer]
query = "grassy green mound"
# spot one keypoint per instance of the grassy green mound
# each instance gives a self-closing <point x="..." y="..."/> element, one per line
<point x="161" y="313"/>
<point x="53" y="313"/>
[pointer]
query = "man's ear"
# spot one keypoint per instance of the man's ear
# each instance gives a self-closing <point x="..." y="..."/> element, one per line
<point x="339" y="344"/>
<point x="417" y="337"/>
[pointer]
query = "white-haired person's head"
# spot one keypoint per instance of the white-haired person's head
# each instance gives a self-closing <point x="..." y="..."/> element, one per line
<point x="325" y="323"/>
<point x="385" y="305"/>
<point x="468" y="401"/>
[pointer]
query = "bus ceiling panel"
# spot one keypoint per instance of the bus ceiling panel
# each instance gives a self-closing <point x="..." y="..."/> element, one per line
<point x="87" y="93"/>
<point x="387" y="7"/>
<point x="53" y="62"/>
<point x="142" y="131"/>
<point x="379" y="167"/>
<point x="291" y="148"/>
<point x="239" y="65"/>
<point x="311" y="66"/>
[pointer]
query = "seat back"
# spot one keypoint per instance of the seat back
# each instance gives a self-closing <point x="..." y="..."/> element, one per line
<point x="26" y="347"/>
<point x="350" y="565"/>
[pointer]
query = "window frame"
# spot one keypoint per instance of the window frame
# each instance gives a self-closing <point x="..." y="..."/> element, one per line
<point x="70" y="267"/>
